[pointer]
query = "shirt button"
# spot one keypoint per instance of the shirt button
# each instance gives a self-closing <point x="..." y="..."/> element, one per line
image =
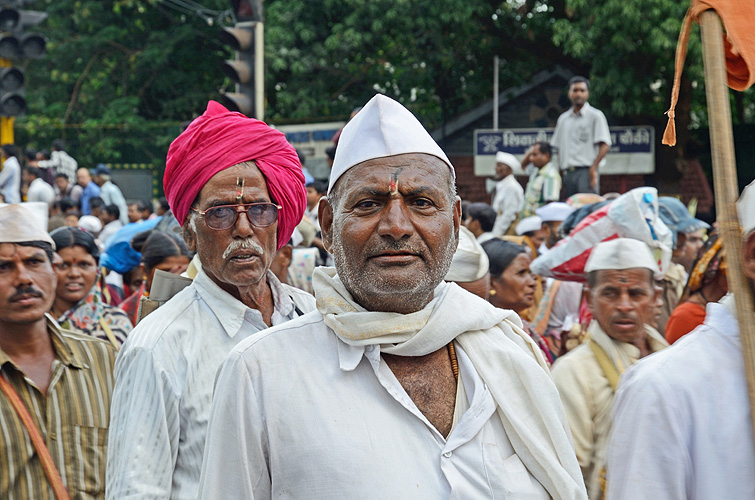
<point x="448" y="454"/>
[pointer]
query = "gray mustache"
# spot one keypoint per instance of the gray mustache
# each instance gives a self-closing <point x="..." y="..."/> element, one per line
<point x="245" y="244"/>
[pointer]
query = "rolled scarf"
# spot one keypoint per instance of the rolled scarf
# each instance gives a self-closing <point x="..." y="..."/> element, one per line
<point x="710" y="262"/>
<point x="220" y="139"/>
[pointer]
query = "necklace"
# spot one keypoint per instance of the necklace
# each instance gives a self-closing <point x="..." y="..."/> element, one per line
<point x="454" y="361"/>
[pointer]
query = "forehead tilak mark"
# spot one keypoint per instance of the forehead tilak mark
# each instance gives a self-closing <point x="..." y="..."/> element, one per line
<point x="393" y="183"/>
<point x="239" y="188"/>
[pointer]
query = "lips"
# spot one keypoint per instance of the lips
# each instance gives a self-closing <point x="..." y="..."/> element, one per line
<point x="26" y="298"/>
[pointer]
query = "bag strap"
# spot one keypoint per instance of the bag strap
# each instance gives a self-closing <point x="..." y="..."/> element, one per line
<point x="109" y="333"/>
<point x="53" y="476"/>
<point x="544" y="315"/>
<point x="609" y="370"/>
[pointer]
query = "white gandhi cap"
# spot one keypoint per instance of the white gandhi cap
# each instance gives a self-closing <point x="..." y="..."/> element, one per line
<point x="532" y="223"/>
<point x="746" y="208"/>
<point x="22" y="222"/>
<point x="621" y="253"/>
<point x="470" y="262"/>
<point x="508" y="159"/>
<point x="382" y="128"/>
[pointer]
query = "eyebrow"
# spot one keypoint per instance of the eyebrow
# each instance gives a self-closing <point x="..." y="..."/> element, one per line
<point x="369" y="191"/>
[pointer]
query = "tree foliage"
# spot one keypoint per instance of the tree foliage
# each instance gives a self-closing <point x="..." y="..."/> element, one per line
<point x="121" y="75"/>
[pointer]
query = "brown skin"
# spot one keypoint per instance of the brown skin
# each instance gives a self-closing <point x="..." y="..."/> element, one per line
<point x="392" y="247"/>
<point x="534" y="156"/>
<point x="280" y="264"/>
<point x="243" y="272"/>
<point x="312" y="197"/>
<point x="82" y="177"/>
<point x="474" y="226"/>
<point x="622" y="302"/>
<point x="550" y="229"/>
<point x="134" y="215"/>
<point x="502" y="171"/>
<point x="687" y="246"/>
<point x="77" y="272"/>
<point x="515" y="287"/>
<point x="27" y="290"/>
<point x="748" y="259"/>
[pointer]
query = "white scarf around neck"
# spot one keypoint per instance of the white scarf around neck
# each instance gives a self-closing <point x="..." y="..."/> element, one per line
<point x="504" y="356"/>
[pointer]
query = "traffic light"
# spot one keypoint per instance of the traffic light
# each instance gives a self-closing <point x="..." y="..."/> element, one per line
<point x="246" y="70"/>
<point x="16" y="44"/>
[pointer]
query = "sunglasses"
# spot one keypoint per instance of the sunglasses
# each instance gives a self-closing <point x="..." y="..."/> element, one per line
<point x="225" y="216"/>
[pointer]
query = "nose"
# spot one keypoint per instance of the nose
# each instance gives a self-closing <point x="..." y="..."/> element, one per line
<point x="624" y="304"/>
<point x="22" y="276"/>
<point x="243" y="227"/>
<point x="74" y="270"/>
<point x="394" y="220"/>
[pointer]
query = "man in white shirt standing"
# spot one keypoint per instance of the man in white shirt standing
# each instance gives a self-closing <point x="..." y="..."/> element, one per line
<point x="39" y="190"/>
<point x="582" y="139"/>
<point x="509" y="195"/>
<point x="109" y="192"/>
<point x="237" y="188"/>
<point x="10" y="175"/>
<point x="682" y="420"/>
<point x="400" y="386"/>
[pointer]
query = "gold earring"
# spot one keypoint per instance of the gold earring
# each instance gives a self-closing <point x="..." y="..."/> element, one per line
<point x="492" y="291"/>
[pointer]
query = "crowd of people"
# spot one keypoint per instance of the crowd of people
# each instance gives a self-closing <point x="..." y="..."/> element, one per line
<point x="370" y="335"/>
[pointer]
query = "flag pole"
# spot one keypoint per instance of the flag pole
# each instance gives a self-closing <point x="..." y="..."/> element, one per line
<point x="726" y="188"/>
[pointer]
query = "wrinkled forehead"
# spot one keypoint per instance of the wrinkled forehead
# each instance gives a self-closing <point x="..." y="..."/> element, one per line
<point x="633" y="276"/>
<point x="411" y="167"/>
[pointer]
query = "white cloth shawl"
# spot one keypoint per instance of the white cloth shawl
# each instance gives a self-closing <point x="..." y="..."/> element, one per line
<point x="502" y="353"/>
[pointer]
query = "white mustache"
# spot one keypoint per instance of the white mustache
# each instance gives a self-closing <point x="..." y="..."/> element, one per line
<point x="245" y="244"/>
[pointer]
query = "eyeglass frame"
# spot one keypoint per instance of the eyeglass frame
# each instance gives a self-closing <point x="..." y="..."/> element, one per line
<point x="203" y="213"/>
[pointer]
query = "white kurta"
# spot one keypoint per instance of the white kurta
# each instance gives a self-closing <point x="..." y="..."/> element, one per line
<point x="298" y="414"/>
<point x="588" y="399"/>
<point x="507" y="203"/>
<point x="164" y="376"/>
<point x="682" y="424"/>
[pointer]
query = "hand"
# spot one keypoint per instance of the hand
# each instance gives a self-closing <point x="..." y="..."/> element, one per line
<point x="594" y="179"/>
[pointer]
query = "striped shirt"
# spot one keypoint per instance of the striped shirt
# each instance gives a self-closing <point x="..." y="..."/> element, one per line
<point x="543" y="187"/>
<point x="72" y="418"/>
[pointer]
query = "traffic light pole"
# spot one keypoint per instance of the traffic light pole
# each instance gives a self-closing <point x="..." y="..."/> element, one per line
<point x="6" y="122"/>
<point x="259" y="71"/>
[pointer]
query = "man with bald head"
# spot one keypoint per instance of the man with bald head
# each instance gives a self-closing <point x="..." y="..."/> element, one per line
<point x="236" y="187"/>
<point x="399" y="385"/>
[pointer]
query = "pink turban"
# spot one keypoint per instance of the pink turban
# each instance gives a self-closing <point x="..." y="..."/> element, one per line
<point x="220" y="139"/>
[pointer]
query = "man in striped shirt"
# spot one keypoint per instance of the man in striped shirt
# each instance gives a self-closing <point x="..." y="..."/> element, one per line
<point x="544" y="184"/>
<point x="63" y="379"/>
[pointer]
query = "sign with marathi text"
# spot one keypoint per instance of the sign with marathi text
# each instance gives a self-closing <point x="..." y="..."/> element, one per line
<point x="632" y="151"/>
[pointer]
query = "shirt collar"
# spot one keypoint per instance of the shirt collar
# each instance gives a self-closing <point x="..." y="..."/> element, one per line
<point x="60" y="344"/>
<point x="230" y="311"/>
<point x="582" y="110"/>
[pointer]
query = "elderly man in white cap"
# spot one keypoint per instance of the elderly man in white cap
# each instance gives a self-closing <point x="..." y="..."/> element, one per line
<point x="509" y="195"/>
<point x="682" y="420"/>
<point x="399" y="386"/>
<point x="622" y="299"/>
<point x="55" y="384"/>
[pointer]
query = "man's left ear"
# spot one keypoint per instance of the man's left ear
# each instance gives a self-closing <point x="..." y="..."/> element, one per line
<point x="325" y="218"/>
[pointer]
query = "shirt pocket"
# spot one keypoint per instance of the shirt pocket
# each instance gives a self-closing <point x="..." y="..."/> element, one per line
<point x="509" y="478"/>
<point x="86" y="454"/>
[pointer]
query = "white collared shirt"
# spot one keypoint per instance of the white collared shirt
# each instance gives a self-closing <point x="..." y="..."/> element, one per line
<point x="507" y="202"/>
<point x="164" y="376"/>
<point x="577" y="137"/>
<point x="682" y="424"/>
<point x="300" y="414"/>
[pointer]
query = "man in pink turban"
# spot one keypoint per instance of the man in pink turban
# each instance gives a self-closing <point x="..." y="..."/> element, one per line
<point x="237" y="189"/>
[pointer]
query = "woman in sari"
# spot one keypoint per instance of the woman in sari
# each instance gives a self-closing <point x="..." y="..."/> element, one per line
<point x="78" y="301"/>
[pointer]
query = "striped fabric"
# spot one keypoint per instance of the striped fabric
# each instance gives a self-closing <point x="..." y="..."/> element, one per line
<point x="72" y="418"/>
<point x="543" y="187"/>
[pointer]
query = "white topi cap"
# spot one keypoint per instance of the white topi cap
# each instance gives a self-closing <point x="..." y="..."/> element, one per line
<point x="621" y="253"/>
<point x="470" y="262"/>
<point x="382" y="128"/>
<point x="746" y="208"/>
<point x="508" y="159"/>
<point x="532" y="223"/>
<point x="22" y="222"/>
<point x="556" y="211"/>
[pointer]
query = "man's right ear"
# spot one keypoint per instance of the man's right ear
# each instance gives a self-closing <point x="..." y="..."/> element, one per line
<point x="190" y="237"/>
<point x="325" y="218"/>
